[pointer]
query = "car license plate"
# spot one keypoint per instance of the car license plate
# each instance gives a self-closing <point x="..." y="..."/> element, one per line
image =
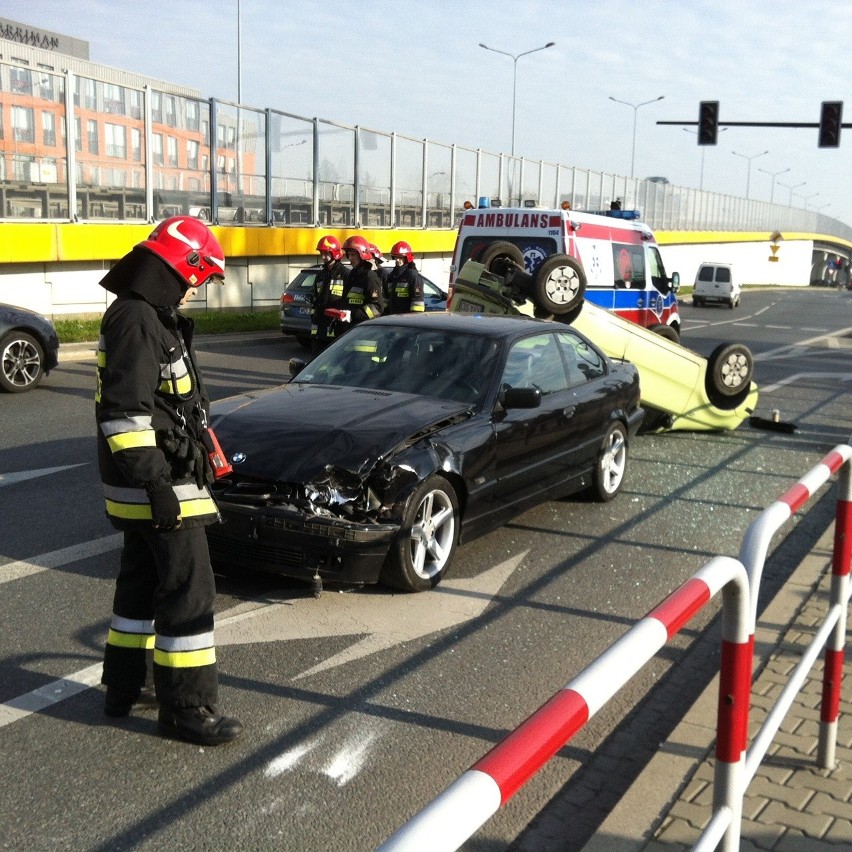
<point x="301" y="312"/>
<point x="467" y="307"/>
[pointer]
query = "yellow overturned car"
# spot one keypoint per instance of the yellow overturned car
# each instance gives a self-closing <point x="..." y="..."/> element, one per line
<point x="680" y="389"/>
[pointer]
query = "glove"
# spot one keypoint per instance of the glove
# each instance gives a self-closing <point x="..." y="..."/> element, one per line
<point x="336" y="313"/>
<point x="165" y="508"/>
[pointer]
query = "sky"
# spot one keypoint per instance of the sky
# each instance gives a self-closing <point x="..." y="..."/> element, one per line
<point x="416" y="68"/>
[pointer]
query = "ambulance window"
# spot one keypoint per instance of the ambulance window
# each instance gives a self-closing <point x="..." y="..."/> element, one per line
<point x="534" y="249"/>
<point x="658" y="272"/>
<point x="628" y="263"/>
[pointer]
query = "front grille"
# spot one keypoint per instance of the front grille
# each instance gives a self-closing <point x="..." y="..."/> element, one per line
<point x="246" y="551"/>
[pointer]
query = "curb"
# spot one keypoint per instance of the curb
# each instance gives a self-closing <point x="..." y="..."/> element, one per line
<point x="633" y="822"/>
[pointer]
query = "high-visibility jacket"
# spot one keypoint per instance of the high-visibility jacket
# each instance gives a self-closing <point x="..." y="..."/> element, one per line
<point x="404" y="290"/>
<point x="151" y="406"/>
<point x="329" y="286"/>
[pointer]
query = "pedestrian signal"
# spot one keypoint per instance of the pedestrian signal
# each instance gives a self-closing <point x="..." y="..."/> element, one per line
<point x="829" y="124"/>
<point x="708" y="122"/>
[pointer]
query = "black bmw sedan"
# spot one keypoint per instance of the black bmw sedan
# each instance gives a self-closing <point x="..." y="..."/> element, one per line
<point x="29" y="348"/>
<point x="411" y="434"/>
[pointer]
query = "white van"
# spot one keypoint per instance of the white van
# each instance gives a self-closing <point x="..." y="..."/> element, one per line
<point x="715" y="284"/>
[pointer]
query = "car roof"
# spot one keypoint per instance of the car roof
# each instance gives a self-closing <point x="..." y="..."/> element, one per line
<point x="484" y="325"/>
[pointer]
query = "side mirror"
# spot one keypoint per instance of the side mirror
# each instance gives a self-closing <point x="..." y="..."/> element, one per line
<point x="296" y="366"/>
<point x="521" y="398"/>
<point x="675" y="279"/>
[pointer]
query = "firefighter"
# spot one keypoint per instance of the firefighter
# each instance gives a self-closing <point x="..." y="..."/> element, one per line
<point x="362" y="298"/>
<point x="153" y="443"/>
<point x="329" y="286"/>
<point x="405" y="286"/>
<point x="381" y="270"/>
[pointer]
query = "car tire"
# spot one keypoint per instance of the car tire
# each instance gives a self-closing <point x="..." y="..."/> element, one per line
<point x="666" y="331"/>
<point x="729" y="371"/>
<point x="610" y="465"/>
<point x="696" y="301"/>
<point x="560" y="284"/>
<point x="495" y="257"/>
<point x="21" y="362"/>
<point x="426" y="540"/>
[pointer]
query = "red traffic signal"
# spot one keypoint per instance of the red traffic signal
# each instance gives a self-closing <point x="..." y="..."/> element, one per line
<point x="830" y="121"/>
<point x="708" y="122"/>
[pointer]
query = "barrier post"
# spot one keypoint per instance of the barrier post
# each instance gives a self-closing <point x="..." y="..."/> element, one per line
<point x="733" y="707"/>
<point x="835" y="648"/>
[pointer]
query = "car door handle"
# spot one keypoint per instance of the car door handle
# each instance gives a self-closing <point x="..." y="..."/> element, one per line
<point x="569" y="410"/>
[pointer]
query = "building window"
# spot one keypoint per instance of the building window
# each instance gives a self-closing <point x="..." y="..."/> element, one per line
<point x="1" y="131"/>
<point x="157" y="107"/>
<point x="21" y="80"/>
<point x="78" y="133"/>
<point x="193" y="115"/>
<point x="92" y="132"/>
<point x="90" y="94"/>
<point x="136" y="143"/>
<point x="191" y="154"/>
<point x="173" y="151"/>
<point x="46" y="88"/>
<point x="22" y="167"/>
<point x="157" y="148"/>
<point x="23" y="124"/>
<point x="169" y="109"/>
<point x="48" y="127"/>
<point x="115" y="136"/>
<point x="113" y="99"/>
<point x="135" y="100"/>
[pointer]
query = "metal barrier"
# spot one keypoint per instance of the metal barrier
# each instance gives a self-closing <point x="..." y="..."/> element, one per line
<point x="451" y="818"/>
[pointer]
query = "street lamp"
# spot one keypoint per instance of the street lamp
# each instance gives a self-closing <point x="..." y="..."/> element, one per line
<point x="773" y="175"/>
<point x="635" y="108"/>
<point x="791" y="187"/>
<point x="515" y="57"/>
<point x="703" y="152"/>
<point x="748" y="171"/>
<point x="807" y="198"/>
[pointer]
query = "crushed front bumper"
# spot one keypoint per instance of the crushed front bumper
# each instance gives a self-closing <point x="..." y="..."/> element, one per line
<point x="288" y="542"/>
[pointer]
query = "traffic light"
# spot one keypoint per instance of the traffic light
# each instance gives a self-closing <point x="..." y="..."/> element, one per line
<point x="708" y="122"/>
<point x="830" y="121"/>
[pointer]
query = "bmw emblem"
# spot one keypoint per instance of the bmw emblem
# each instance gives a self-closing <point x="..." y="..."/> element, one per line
<point x="238" y="458"/>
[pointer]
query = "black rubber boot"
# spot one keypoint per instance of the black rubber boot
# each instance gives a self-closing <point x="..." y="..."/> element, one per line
<point x="198" y="725"/>
<point x="119" y="702"/>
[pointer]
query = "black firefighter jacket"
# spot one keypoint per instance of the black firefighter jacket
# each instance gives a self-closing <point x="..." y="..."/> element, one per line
<point x="151" y="407"/>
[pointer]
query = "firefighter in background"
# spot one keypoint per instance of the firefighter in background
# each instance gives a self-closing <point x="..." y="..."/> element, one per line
<point x="154" y="454"/>
<point x="329" y="287"/>
<point x="405" y="286"/>
<point x="381" y="270"/>
<point x="362" y="298"/>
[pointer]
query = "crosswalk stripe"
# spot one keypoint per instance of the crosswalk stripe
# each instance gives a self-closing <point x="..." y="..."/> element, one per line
<point x="58" y="558"/>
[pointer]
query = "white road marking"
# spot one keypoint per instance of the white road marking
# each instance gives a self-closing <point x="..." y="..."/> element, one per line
<point x="794" y="349"/>
<point x="840" y="377"/>
<point x="388" y="619"/>
<point x="49" y="694"/>
<point x="58" y="558"/>
<point x="23" y="475"/>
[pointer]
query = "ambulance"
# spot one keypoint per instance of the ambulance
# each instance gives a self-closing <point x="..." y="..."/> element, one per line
<point x="609" y="258"/>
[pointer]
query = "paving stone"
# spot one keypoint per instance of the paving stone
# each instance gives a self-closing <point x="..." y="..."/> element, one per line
<point x="796" y="841"/>
<point x="813" y="825"/>
<point x="677" y="831"/>
<point x="791" y="796"/>
<point x="763" y="835"/>
<point x="841" y="831"/>
<point x="695" y="815"/>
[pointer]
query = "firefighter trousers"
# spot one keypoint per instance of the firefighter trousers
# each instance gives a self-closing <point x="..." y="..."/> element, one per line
<point x="164" y="599"/>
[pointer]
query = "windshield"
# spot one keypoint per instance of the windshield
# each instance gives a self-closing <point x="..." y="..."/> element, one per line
<point x="427" y="362"/>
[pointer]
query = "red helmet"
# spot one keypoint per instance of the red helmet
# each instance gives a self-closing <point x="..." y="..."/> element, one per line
<point x="403" y="250"/>
<point x="189" y="247"/>
<point x="376" y="254"/>
<point x="360" y="245"/>
<point x="331" y="245"/>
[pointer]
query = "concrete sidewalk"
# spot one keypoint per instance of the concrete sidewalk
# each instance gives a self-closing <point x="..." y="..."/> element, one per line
<point x="790" y="804"/>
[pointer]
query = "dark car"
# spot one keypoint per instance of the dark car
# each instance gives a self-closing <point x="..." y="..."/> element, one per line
<point x="410" y="434"/>
<point x="29" y="348"/>
<point x="297" y="296"/>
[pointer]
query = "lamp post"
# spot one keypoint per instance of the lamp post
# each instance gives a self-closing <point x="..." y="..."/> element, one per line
<point x="791" y="187"/>
<point x="807" y="198"/>
<point x="773" y="175"/>
<point x="515" y="57"/>
<point x="748" y="170"/>
<point x="703" y="152"/>
<point x="635" y="108"/>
